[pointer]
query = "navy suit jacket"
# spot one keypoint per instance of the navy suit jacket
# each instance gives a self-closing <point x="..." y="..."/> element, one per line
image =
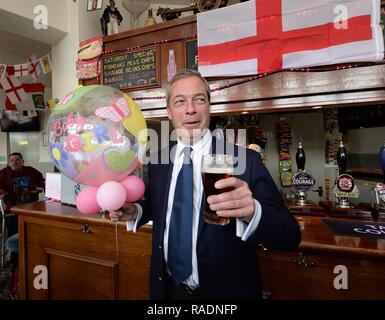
<point x="227" y="266"/>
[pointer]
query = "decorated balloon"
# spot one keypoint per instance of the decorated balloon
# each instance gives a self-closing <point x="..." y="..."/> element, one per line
<point x="96" y="134"/>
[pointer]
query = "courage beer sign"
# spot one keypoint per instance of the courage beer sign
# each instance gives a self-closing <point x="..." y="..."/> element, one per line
<point x="303" y="181"/>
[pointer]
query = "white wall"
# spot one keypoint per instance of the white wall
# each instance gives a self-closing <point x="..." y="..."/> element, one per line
<point x="365" y="140"/>
<point x="3" y="150"/>
<point x="305" y="127"/>
<point x="21" y="55"/>
<point x="64" y="56"/>
<point x="56" y="10"/>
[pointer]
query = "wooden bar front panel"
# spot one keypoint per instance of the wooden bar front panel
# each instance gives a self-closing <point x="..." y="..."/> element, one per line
<point x="308" y="273"/>
<point x="81" y="256"/>
<point x="285" y="278"/>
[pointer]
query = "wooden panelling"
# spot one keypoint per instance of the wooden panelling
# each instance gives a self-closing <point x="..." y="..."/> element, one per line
<point x="87" y="257"/>
<point x="285" y="279"/>
<point x="81" y="277"/>
<point x="308" y="273"/>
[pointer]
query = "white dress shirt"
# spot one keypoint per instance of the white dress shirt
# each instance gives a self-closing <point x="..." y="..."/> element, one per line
<point x="243" y="230"/>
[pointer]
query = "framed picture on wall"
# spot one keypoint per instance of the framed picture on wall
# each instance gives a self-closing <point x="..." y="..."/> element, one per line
<point x="93" y="5"/>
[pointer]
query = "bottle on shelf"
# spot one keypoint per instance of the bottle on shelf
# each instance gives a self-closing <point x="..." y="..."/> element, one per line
<point x="171" y="67"/>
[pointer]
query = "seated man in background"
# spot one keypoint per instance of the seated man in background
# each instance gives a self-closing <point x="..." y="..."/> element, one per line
<point x="20" y="184"/>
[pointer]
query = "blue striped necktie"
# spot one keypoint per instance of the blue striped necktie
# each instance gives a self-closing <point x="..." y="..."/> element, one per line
<point x="179" y="259"/>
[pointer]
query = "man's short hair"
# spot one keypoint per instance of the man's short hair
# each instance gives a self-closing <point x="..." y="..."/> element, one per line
<point x="186" y="73"/>
<point x="16" y="154"/>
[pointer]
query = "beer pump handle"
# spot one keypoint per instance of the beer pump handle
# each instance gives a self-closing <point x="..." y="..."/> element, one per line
<point x="300" y="157"/>
<point x="382" y="161"/>
<point x="342" y="158"/>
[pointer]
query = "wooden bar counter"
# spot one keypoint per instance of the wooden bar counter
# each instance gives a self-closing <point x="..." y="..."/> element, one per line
<point x="84" y="260"/>
<point x="308" y="273"/>
<point x="81" y="255"/>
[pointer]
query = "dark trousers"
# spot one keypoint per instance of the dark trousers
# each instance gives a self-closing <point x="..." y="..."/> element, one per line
<point x="11" y="224"/>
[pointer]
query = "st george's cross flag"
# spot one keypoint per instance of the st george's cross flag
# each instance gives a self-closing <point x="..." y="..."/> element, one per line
<point x="34" y="67"/>
<point x="261" y="36"/>
<point x="21" y="70"/>
<point x="34" y="100"/>
<point x="13" y="89"/>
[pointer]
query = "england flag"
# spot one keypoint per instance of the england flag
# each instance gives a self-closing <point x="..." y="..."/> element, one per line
<point x="262" y="36"/>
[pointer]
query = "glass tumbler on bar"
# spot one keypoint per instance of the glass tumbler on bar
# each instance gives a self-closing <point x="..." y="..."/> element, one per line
<point x="215" y="167"/>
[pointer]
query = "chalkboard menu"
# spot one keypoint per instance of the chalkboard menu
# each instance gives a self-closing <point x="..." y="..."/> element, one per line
<point x="131" y="70"/>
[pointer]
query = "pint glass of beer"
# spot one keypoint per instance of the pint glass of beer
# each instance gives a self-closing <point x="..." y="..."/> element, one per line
<point x="215" y="167"/>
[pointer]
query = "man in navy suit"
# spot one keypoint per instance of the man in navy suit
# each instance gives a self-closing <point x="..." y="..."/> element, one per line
<point x="223" y="262"/>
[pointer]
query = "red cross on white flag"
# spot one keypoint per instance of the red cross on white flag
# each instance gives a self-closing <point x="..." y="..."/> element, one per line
<point x="13" y="89"/>
<point x="34" y="68"/>
<point x="21" y="70"/>
<point x="261" y="36"/>
<point x="35" y="98"/>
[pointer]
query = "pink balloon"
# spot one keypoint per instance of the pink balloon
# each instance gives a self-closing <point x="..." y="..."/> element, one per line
<point x="111" y="195"/>
<point x="134" y="188"/>
<point x="86" y="201"/>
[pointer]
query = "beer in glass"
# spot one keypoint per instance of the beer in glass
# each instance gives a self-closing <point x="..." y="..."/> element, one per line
<point x="215" y="167"/>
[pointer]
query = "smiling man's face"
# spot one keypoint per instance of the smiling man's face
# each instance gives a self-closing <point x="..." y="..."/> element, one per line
<point x="189" y="106"/>
<point x="15" y="162"/>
